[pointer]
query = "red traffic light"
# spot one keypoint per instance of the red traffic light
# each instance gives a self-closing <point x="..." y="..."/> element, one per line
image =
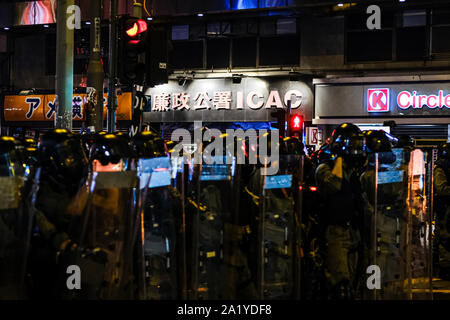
<point x="296" y="122"/>
<point x="138" y="27"/>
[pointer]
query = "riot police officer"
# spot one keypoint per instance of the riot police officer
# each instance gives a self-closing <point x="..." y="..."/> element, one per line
<point x="340" y="191"/>
<point x="161" y="208"/>
<point x="62" y="171"/>
<point x="385" y="214"/>
<point x="109" y="221"/>
<point x="15" y="221"/>
<point x="442" y="208"/>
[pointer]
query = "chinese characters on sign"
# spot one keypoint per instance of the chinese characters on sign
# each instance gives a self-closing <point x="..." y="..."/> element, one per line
<point x="222" y="100"/>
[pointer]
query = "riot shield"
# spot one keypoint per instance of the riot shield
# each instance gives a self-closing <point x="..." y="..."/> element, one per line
<point x="385" y="182"/>
<point x="218" y="265"/>
<point x="15" y="222"/>
<point x="278" y="230"/>
<point x="419" y="202"/>
<point x="396" y="223"/>
<point x="160" y="205"/>
<point x="108" y="229"/>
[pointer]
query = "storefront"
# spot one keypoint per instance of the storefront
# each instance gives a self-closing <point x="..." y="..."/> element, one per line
<point x="419" y="105"/>
<point x="228" y="102"/>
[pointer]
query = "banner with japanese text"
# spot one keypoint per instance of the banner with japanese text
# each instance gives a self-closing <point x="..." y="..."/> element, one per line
<point x="42" y="107"/>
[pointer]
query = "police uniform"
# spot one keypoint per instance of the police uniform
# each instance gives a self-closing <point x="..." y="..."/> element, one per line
<point x="340" y="215"/>
<point x="442" y="208"/>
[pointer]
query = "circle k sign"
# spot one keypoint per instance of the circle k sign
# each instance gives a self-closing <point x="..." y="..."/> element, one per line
<point x="378" y="100"/>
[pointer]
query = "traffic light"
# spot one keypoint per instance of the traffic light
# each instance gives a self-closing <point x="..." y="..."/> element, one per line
<point x="295" y="125"/>
<point x="280" y="116"/>
<point x="132" y="34"/>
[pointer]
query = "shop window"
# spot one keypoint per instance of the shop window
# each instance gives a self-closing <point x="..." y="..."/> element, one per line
<point x="411" y="36"/>
<point x="50" y="54"/>
<point x="244" y="4"/>
<point x="218" y="29"/>
<point x="268" y="27"/>
<point x="440" y="17"/>
<point x="279" y="50"/>
<point x="213" y="29"/>
<point x="411" y="43"/>
<point x="244" y="52"/>
<point x="363" y="45"/>
<point x="3" y="43"/>
<point x="358" y="21"/>
<point x="197" y="31"/>
<point x="239" y="27"/>
<point x="187" y="54"/>
<point x="272" y="3"/>
<point x="286" y="26"/>
<point x="440" y="33"/>
<point x="218" y="5"/>
<point x="440" y="36"/>
<point x="218" y="53"/>
<point x="245" y="27"/>
<point x="180" y="32"/>
<point x="414" y="18"/>
<point x="374" y="45"/>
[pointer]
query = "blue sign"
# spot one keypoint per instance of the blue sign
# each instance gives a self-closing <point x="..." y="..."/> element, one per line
<point x="277" y="182"/>
<point x="217" y="171"/>
<point x="390" y="176"/>
<point x="158" y="169"/>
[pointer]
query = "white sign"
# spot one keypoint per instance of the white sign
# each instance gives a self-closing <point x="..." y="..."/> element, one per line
<point x="314" y="136"/>
<point x="222" y="100"/>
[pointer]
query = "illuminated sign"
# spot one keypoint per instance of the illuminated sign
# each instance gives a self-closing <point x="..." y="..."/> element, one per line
<point x="378" y="100"/>
<point x="42" y="107"/>
<point x="407" y="99"/>
<point x="222" y="100"/>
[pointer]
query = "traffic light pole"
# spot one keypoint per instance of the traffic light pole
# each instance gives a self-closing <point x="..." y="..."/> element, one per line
<point x="112" y="107"/>
<point x="94" y="115"/>
<point x="64" y="67"/>
<point x="137" y="89"/>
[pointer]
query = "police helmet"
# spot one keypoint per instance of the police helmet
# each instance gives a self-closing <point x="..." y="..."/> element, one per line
<point x="107" y="148"/>
<point x="444" y="152"/>
<point x="405" y="141"/>
<point x="147" y="144"/>
<point x="377" y="141"/>
<point x="348" y="141"/>
<point x="61" y="154"/>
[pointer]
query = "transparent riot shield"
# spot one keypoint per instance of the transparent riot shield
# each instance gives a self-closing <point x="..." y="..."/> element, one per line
<point x="419" y="233"/>
<point x="217" y="266"/>
<point x="278" y="233"/>
<point x="109" y="226"/>
<point x="14" y="229"/>
<point x="396" y="225"/>
<point x="160" y="205"/>
<point x="385" y="182"/>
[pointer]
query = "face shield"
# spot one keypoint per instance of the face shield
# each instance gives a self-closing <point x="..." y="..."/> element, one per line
<point x="71" y="159"/>
<point x="354" y="151"/>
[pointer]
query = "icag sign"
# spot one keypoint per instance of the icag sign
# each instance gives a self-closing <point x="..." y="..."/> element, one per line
<point x="222" y="100"/>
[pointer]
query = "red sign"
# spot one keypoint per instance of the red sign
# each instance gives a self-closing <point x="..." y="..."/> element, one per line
<point x="378" y="100"/>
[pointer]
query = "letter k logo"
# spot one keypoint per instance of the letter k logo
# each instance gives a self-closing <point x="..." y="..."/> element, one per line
<point x="378" y="100"/>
